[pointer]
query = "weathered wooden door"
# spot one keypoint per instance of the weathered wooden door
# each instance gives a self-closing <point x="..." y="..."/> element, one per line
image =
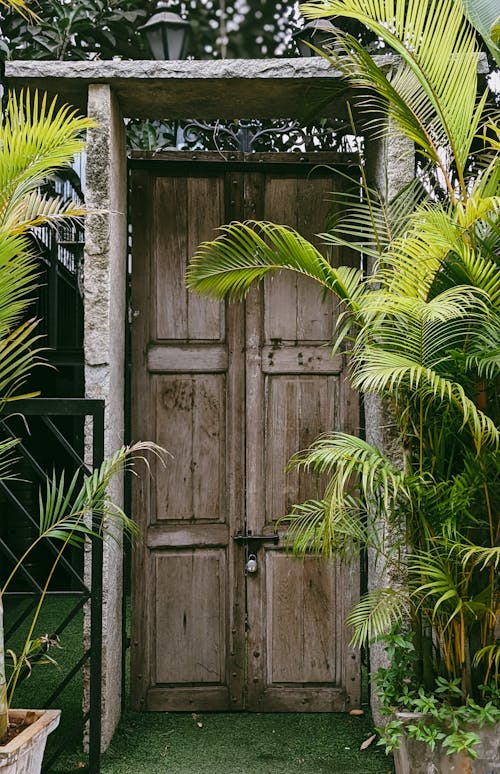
<point x="232" y="391"/>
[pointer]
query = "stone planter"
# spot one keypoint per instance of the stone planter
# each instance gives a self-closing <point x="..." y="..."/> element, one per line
<point x="417" y="758"/>
<point x="23" y="755"/>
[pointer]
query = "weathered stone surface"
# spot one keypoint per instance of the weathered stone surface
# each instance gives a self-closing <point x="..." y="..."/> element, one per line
<point x="228" y="88"/>
<point x="391" y="166"/>
<point x="193" y="89"/>
<point x="415" y="757"/>
<point x="104" y="299"/>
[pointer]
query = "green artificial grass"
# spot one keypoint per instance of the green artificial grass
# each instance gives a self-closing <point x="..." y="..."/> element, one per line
<point x="34" y="691"/>
<point x="243" y="743"/>
<point x="196" y="743"/>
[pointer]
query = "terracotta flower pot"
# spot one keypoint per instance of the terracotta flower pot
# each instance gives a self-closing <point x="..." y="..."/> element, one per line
<point x="24" y="754"/>
<point x="415" y="757"/>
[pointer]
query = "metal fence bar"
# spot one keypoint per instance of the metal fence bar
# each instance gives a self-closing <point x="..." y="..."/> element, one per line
<point x="6" y="550"/>
<point x="74" y="407"/>
<point x="96" y="613"/>
<point x="27" y="515"/>
<point x="65" y="444"/>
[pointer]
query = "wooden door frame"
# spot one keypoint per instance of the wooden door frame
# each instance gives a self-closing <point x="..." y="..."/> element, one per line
<point x="235" y="171"/>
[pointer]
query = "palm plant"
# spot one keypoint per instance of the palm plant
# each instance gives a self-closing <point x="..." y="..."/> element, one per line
<point x="37" y="138"/>
<point x="423" y="332"/>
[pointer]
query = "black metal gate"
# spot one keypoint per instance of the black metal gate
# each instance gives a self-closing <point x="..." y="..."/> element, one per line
<point x="51" y="416"/>
<point x="52" y="430"/>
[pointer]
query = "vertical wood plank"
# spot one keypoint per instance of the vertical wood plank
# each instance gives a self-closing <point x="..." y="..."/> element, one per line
<point x="320" y="619"/>
<point x="191" y="425"/>
<point x="205" y="206"/>
<point x="142" y="591"/>
<point x="280" y="290"/>
<point x="174" y="431"/>
<point x="208" y="460"/>
<point x="285" y="605"/>
<point x="254" y="458"/>
<point x="190" y="626"/>
<point x="170" y="230"/>
<point x="234" y="193"/>
<point x="315" y="314"/>
<point x="299" y="409"/>
<point x="301" y="621"/>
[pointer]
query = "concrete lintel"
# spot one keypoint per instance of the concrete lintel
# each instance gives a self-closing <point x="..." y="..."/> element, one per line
<point x="228" y="88"/>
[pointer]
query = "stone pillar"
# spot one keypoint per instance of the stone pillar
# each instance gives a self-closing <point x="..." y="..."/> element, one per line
<point x="390" y="166"/>
<point x="104" y="302"/>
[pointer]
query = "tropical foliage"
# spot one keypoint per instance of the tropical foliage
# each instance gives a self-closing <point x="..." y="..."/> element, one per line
<point x="90" y="29"/>
<point x="38" y="138"/>
<point x="423" y="330"/>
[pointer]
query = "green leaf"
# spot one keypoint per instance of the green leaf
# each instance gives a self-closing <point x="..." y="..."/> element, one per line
<point x="483" y="14"/>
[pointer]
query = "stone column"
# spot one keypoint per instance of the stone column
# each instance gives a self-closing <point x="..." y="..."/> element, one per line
<point x="104" y="302"/>
<point x="390" y="166"/>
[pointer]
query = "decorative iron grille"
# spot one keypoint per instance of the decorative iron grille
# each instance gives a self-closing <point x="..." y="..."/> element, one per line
<point x="243" y="135"/>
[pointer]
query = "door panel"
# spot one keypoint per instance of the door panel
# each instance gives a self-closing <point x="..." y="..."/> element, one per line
<point x="188" y="618"/>
<point x="191" y="419"/>
<point x="187" y="210"/>
<point x="233" y="393"/>
<point x="199" y="608"/>
<point x="298" y="409"/>
<point x="295" y="392"/>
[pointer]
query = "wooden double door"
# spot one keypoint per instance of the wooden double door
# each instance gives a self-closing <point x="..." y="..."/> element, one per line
<point x="232" y="391"/>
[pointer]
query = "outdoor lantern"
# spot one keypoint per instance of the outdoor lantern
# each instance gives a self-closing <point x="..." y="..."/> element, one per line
<point x="317" y="33"/>
<point x="167" y="33"/>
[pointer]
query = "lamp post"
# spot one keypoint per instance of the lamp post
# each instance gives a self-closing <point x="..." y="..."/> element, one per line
<point x="167" y="33"/>
<point x="317" y="32"/>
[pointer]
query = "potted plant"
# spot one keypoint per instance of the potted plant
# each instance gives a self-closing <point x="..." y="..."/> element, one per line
<point x="36" y="139"/>
<point x="65" y="518"/>
<point x="422" y="330"/>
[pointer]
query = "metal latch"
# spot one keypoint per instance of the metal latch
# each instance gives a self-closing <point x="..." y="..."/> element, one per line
<point x="253" y="542"/>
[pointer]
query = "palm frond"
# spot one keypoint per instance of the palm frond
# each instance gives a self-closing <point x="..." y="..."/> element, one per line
<point x="484" y="350"/>
<point x="35" y="209"/>
<point x="71" y="513"/>
<point x="18" y="357"/>
<point x="326" y="528"/>
<point x="432" y="93"/>
<point x="36" y="139"/>
<point x="480" y="556"/>
<point x="415" y="258"/>
<point x="18" y="277"/>
<point x="369" y="225"/>
<point x="64" y="509"/>
<point x="246" y="252"/>
<point x="376" y="614"/>
<point x="484" y="15"/>
<point x="490" y="654"/>
<point x="352" y="462"/>
<point x="410" y="346"/>
<point x="7" y="445"/>
<point x="436" y="584"/>
<point x="387" y="372"/>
